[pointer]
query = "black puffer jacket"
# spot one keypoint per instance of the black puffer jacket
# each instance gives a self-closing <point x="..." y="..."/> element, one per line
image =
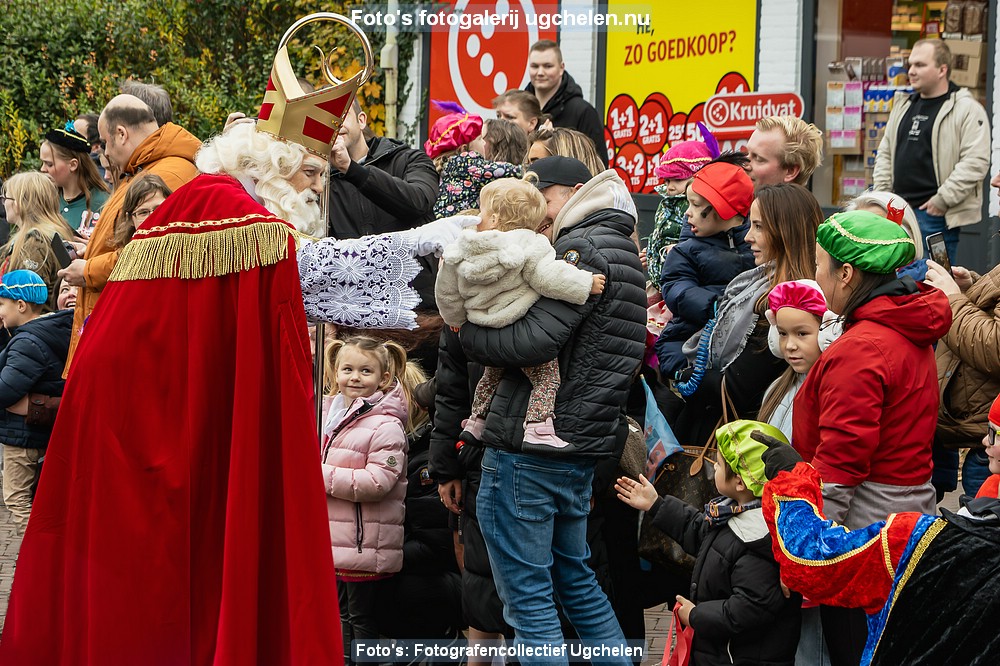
<point x="455" y="384"/>
<point x="393" y="190"/>
<point x="599" y="344"/>
<point x="740" y="614"/>
<point x="456" y="380"/>
<point x="568" y="108"/>
<point x="32" y="362"/>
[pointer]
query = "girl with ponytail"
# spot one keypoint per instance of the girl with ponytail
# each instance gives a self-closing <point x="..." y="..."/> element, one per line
<point x="364" y="471"/>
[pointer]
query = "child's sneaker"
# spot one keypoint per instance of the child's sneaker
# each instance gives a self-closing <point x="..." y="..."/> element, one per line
<point x="544" y="433"/>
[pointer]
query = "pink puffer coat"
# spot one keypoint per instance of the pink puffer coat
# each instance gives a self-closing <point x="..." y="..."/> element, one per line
<point x="364" y="470"/>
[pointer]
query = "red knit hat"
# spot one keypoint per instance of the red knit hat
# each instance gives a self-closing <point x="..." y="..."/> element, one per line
<point x="995" y="413"/>
<point x="727" y="187"/>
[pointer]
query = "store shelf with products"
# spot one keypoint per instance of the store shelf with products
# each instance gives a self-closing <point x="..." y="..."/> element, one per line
<point x="921" y="18"/>
<point x="856" y="115"/>
<point x="860" y="96"/>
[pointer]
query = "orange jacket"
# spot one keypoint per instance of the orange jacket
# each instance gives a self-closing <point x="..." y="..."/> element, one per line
<point x="169" y="153"/>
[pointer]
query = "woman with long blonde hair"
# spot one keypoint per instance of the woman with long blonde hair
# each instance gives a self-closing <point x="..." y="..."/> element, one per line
<point x="66" y="161"/>
<point x="32" y="205"/>
<point x="568" y="143"/>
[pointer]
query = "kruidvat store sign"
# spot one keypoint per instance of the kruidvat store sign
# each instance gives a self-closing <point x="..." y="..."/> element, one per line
<point x="734" y="116"/>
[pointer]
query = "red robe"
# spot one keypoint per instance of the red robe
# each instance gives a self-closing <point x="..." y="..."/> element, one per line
<point x="181" y="515"/>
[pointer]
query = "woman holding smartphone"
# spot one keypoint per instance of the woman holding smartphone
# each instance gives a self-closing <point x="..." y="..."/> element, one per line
<point x="968" y="363"/>
<point x="32" y="205"/>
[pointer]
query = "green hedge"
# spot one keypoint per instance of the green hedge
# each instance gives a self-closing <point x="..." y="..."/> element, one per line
<point x="65" y="58"/>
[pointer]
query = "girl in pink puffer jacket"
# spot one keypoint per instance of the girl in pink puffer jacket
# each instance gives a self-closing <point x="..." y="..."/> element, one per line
<point x="364" y="471"/>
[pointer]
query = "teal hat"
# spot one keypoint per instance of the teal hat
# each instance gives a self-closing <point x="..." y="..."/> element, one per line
<point x="867" y="241"/>
<point x="24" y="285"/>
<point x="742" y="453"/>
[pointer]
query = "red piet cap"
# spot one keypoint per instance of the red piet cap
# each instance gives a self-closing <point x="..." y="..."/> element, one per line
<point x="727" y="187"/>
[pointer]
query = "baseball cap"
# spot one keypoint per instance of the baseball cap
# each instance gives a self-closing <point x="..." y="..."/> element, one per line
<point x="559" y="170"/>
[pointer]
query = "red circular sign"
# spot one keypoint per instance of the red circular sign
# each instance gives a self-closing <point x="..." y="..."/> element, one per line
<point x="663" y="100"/>
<point x="609" y="144"/>
<point x="676" y="129"/>
<point x="632" y="160"/>
<point x="653" y="120"/>
<point x="623" y="119"/>
<point x="652" y="180"/>
<point x="732" y="83"/>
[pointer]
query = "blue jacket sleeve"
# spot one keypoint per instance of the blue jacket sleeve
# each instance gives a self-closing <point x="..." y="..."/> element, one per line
<point x="682" y="290"/>
<point x="25" y="365"/>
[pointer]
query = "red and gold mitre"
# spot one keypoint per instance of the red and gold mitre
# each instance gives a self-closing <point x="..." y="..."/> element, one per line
<point x="309" y="119"/>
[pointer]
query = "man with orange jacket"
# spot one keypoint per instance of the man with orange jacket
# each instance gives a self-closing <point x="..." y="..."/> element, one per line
<point x="135" y="144"/>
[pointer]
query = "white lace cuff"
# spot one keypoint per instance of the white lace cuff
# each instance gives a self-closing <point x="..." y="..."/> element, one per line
<point x="361" y="282"/>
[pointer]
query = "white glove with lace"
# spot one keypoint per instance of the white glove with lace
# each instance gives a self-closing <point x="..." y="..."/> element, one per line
<point x="434" y="236"/>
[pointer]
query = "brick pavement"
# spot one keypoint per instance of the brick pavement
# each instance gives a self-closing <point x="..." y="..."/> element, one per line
<point x="10" y="544"/>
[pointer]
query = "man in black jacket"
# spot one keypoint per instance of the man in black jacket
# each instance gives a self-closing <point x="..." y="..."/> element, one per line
<point x="534" y="499"/>
<point x="560" y="96"/>
<point x="378" y="186"/>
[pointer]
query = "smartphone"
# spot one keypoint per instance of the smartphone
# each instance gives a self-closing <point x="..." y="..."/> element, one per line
<point x="937" y="251"/>
<point x="62" y="256"/>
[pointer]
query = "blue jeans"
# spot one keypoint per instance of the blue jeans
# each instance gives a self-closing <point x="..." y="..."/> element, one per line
<point x="533" y="515"/>
<point x="975" y="471"/>
<point x="932" y="224"/>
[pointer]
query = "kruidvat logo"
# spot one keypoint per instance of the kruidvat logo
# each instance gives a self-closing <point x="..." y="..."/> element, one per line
<point x="729" y="113"/>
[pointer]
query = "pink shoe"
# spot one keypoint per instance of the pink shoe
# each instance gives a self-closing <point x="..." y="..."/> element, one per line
<point x="474" y="425"/>
<point x="543" y="433"/>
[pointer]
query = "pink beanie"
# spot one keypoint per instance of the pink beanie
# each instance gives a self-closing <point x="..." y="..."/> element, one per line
<point x="452" y="130"/>
<point x="683" y="160"/>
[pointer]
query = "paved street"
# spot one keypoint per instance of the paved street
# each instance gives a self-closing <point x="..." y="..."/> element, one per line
<point x="657" y="619"/>
<point x="10" y="544"/>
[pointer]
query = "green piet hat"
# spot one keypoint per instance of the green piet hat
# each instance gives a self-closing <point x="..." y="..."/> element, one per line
<point x="867" y="241"/>
<point x="742" y="453"/>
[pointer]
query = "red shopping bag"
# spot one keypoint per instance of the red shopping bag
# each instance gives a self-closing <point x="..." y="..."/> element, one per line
<point x="681" y="638"/>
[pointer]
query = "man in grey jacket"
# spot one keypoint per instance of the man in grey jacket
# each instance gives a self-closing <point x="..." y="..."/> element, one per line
<point x="534" y="499"/>
<point x="936" y="149"/>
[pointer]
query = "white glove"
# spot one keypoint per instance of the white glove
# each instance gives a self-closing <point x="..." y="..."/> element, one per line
<point x="434" y="236"/>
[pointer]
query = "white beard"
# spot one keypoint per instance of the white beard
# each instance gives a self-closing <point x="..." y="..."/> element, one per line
<point x="306" y="215"/>
<point x="302" y="211"/>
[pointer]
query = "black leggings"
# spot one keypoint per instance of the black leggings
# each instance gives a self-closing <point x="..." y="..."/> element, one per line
<point x="846" y="632"/>
<point x="358" y="613"/>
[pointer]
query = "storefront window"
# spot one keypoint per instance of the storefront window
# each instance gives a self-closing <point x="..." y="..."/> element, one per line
<point x="862" y="48"/>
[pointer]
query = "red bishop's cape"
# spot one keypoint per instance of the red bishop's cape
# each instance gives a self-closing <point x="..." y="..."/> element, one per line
<point x="181" y="516"/>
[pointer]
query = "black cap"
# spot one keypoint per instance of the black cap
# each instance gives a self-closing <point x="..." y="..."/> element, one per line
<point x="559" y="170"/>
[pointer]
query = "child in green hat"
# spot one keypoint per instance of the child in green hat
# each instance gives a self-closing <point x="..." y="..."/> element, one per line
<point x="736" y="605"/>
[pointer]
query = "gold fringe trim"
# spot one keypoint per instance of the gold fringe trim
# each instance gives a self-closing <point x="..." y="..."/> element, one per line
<point x="171" y="226"/>
<point x="207" y="254"/>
